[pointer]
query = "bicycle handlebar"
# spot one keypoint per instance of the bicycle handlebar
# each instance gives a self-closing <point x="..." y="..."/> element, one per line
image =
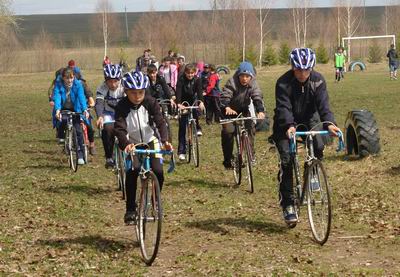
<point x="340" y="147"/>
<point x="158" y="151"/>
<point x="230" y="120"/>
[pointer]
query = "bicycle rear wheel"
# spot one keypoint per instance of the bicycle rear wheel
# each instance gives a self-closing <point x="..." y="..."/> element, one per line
<point x="73" y="149"/>
<point x="189" y="143"/>
<point x="247" y="160"/>
<point x="237" y="162"/>
<point x="150" y="218"/>
<point x="319" y="208"/>
<point x="195" y="145"/>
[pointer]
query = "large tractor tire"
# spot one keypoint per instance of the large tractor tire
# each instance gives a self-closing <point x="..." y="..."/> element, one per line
<point x="361" y="134"/>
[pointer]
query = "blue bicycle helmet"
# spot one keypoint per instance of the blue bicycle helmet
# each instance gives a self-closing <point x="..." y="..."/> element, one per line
<point x="112" y="71"/>
<point x="135" y="80"/>
<point x="302" y="58"/>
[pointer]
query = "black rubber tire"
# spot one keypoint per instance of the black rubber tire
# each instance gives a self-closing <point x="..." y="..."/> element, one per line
<point x="237" y="162"/>
<point x="195" y="146"/>
<point x="189" y="143"/>
<point x="223" y="69"/>
<point x="246" y="156"/>
<point x="150" y="193"/>
<point x="361" y="134"/>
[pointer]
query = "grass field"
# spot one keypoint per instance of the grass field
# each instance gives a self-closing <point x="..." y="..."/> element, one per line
<point x="54" y="222"/>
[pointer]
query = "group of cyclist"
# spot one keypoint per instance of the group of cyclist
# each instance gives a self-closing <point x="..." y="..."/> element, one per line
<point x="127" y="108"/>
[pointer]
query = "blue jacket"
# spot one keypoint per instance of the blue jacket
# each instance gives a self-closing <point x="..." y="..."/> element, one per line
<point x="78" y="98"/>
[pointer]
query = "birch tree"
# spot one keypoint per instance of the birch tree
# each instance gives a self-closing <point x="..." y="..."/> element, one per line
<point x="264" y="7"/>
<point x="104" y="8"/>
<point x="301" y="12"/>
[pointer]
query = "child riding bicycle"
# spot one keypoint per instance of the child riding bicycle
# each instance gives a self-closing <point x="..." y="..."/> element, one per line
<point x="135" y="117"/>
<point x="188" y="90"/>
<point x="108" y="94"/>
<point x="239" y="93"/>
<point x="301" y="98"/>
<point x="68" y="95"/>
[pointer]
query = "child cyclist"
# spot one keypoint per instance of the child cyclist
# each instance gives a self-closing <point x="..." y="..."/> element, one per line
<point x="68" y="95"/>
<point x="135" y="117"/>
<point x="108" y="94"/>
<point x="236" y="97"/>
<point x="339" y="64"/>
<point x="212" y="94"/>
<point x="301" y="99"/>
<point x="188" y="89"/>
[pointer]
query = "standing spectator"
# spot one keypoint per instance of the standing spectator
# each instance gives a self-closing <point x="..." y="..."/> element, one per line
<point x="145" y="60"/>
<point x="393" y="62"/>
<point x="181" y="65"/>
<point x="211" y="98"/>
<point x="170" y="73"/>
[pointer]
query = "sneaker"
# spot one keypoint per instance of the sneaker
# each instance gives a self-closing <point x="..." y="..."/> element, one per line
<point x="61" y="141"/>
<point x="314" y="184"/>
<point x="81" y="161"/>
<point x="290" y="215"/>
<point x="182" y="157"/>
<point x="130" y="217"/>
<point x="109" y="163"/>
<point x="199" y="133"/>
<point x="228" y="165"/>
<point x="92" y="150"/>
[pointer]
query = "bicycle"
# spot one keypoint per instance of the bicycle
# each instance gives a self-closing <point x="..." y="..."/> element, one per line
<point x="119" y="161"/>
<point x="164" y="104"/>
<point x="315" y="191"/>
<point x="242" y="152"/>
<point x="192" y="141"/>
<point x="149" y="216"/>
<point x="71" y="146"/>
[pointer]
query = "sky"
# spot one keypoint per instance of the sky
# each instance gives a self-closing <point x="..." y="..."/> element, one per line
<point x="26" y="7"/>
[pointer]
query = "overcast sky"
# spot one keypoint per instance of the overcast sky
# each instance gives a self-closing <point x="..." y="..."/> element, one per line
<point x="25" y="7"/>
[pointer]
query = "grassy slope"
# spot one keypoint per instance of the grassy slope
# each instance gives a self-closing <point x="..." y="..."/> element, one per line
<point x="53" y="222"/>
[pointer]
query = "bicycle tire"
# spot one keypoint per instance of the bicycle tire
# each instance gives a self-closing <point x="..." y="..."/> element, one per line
<point x="74" y="150"/>
<point x="150" y="204"/>
<point x="237" y="162"/>
<point x="85" y="143"/>
<point x="319" y="207"/>
<point x="121" y="174"/>
<point x="246" y="154"/>
<point x="195" y="145"/>
<point x="168" y="123"/>
<point x="189" y="143"/>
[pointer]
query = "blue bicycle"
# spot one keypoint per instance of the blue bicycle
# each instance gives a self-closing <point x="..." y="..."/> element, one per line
<point x="149" y="216"/>
<point x="312" y="189"/>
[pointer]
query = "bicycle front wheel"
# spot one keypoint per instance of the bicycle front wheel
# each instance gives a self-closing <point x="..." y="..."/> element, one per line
<point x="237" y="162"/>
<point x="73" y="149"/>
<point x="195" y="146"/>
<point x="121" y="175"/>
<point x="189" y="143"/>
<point x="247" y="160"/>
<point x="150" y="218"/>
<point x="319" y="208"/>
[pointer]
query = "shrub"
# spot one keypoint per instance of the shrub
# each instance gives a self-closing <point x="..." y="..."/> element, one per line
<point x="251" y="55"/>
<point x="269" y="56"/>
<point x="375" y="53"/>
<point x="284" y="52"/>
<point x="322" y="54"/>
<point x="234" y="56"/>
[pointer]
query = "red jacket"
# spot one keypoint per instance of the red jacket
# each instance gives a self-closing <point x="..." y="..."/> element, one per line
<point x="212" y="88"/>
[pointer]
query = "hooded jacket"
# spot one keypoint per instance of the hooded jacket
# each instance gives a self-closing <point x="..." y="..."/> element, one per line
<point x="299" y="103"/>
<point x="238" y="97"/>
<point x="138" y="123"/>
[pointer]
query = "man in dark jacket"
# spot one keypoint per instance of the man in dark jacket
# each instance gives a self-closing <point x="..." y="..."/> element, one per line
<point x="301" y="99"/>
<point x="393" y="62"/>
<point x="240" y="93"/>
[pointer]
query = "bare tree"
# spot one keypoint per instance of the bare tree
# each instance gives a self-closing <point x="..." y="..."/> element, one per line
<point x="300" y="15"/>
<point x="6" y="17"/>
<point x="264" y="7"/>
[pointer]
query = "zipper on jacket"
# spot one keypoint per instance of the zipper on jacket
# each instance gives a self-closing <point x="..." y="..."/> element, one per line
<point x="140" y="128"/>
<point x="302" y="88"/>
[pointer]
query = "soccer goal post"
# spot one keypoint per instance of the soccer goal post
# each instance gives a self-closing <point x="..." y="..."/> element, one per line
<point x="348" y="39"/>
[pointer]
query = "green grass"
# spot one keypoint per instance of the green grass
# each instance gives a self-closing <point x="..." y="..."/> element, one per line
<point x="55" y="222"/>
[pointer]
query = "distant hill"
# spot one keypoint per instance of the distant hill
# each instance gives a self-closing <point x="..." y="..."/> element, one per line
<point x="67" y="28"/>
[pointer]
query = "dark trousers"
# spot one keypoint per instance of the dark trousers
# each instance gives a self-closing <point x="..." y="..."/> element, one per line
<point x="76" y="121"/>
<point x="132" y="179"/>
<point x="227" y="139"/>
<point x="108" y="137"/>
<point x="183" y="121"/>
<point x="213" y="109"/>
<point x="285" y="175"/>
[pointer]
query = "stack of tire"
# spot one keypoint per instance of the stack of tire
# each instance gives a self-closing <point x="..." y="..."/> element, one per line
<point x="361" y="134"/>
